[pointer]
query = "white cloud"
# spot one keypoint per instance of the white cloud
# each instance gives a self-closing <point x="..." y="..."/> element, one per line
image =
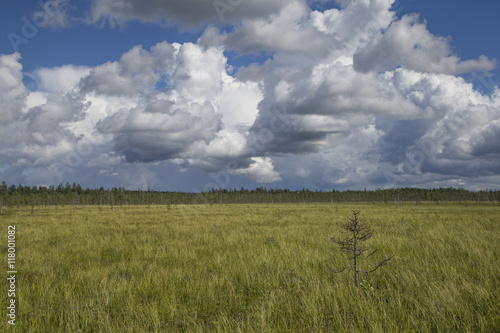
<point x="408" y="43"/>
<point x="177" y="122"/>
<point x="288" y="31"/>
<point x="261" y="170"/>
<point x="137" y="72"/>
<point x="34" y="125"/>
<point x="227" y="144"/>
<point x="199" y="73"/>
<point x="35" y="98"/>
<point x="348" y="97"/>
<point x="12" y="90"/>
<point x="238" y="102"/>
<point x="59" y="79"/>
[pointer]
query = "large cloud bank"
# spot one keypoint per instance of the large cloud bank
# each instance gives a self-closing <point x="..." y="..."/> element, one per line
<point x="349" y="97"/>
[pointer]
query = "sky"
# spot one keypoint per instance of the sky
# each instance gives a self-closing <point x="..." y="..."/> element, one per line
<point x="189" y="95"/>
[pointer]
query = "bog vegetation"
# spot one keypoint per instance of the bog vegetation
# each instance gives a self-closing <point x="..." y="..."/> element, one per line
<point x="252" y="268"/>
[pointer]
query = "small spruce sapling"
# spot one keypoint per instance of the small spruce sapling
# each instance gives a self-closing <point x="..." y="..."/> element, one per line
<point x="357" y="232"/>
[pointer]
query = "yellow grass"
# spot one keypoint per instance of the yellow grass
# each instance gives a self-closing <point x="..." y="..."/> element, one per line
<point x="251" y="268"/>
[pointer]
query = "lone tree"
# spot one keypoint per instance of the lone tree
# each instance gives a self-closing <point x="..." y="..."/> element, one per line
<point x="357" y="232"/>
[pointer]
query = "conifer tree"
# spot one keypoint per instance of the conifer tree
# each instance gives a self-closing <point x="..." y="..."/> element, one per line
<point x="357" y="233"/>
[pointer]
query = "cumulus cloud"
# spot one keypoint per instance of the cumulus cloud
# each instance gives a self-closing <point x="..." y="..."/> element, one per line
<point x="408" y="43"/>
<point x="137" y="71"/>
<point x="356" y="24"/>
<point x="185" y="119"/>
<point x="327" y="103"/>
<point x="34" y="132"/>
<point x="117" y="107"/>
<point x="487" y="144"/>
<point x="348" y="97"/>
<point x="161" y="130"/>
<point x="59" y="79"/>
<point x="262" y="170"/>
<point x="41" y="133"/>
<point x="286" y="31"/>
<point x="12" y="91"/>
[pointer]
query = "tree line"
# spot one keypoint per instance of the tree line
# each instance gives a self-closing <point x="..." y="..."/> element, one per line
<point x="74" y="194"/>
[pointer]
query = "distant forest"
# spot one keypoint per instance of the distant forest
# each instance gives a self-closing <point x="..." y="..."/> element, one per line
<point x="75" y="195"/>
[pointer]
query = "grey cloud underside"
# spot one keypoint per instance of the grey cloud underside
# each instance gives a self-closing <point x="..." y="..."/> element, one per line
<point x="161" y="132"/>
<point x="488" y="145"/>
<point x="288" y="143"/>
<point x="475" y="168"/>
<point x="188" y="13"/>
<point x="399" y="137"/>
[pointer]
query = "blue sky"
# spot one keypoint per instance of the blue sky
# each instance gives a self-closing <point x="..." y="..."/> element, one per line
<point x="189" y="95"/>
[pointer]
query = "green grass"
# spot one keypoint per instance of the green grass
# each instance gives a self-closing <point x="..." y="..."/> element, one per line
<point x="252" y="268"/>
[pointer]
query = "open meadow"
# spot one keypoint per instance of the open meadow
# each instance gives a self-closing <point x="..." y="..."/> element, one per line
<point x="252" y="268"/>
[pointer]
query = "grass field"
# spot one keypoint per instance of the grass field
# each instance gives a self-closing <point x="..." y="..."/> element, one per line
<point x="251" y="268"/>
